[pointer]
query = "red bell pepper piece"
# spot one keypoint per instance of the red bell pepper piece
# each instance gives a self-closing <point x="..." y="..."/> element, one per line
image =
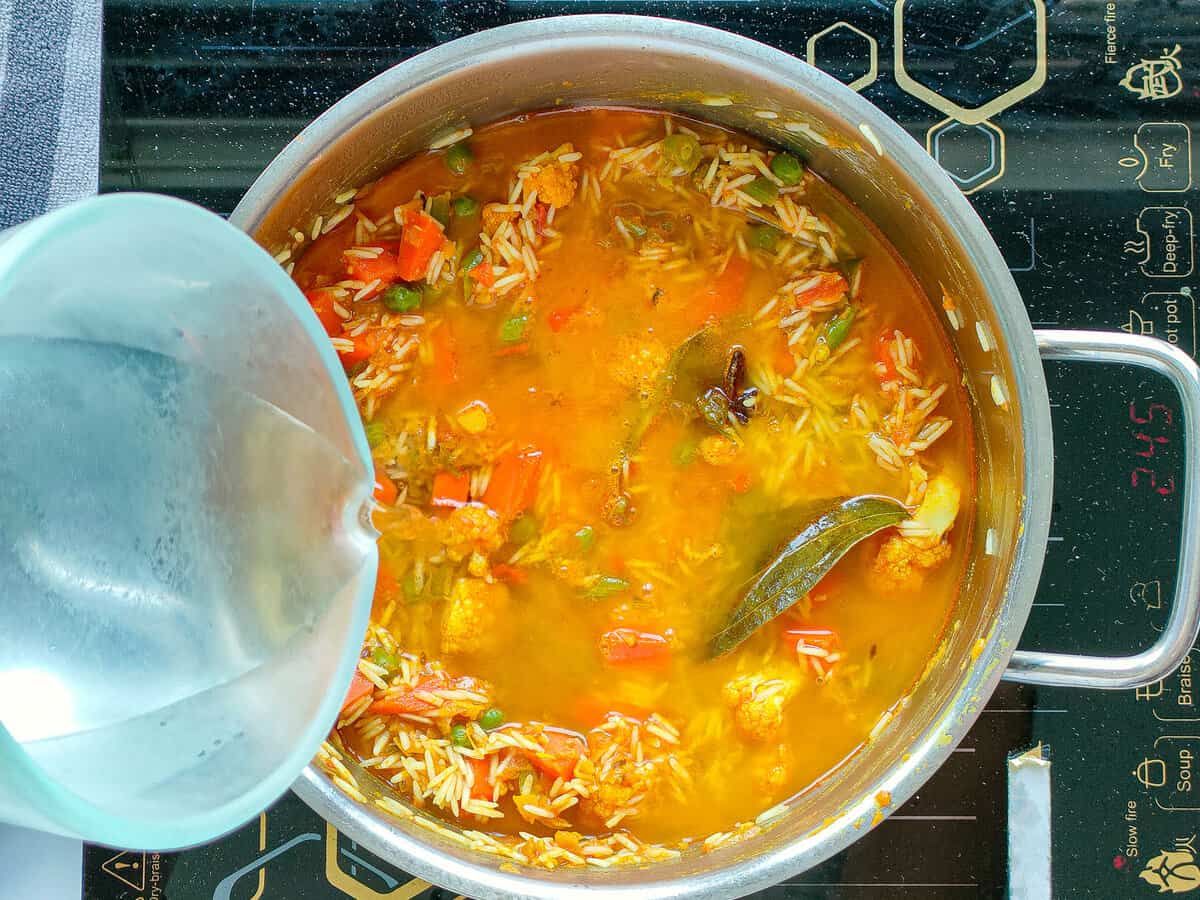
<point x="364" y="346"/>
<point x="624" y="646"/>
<point x="886" y="366"/>
<point x="386" y="491"/>
<point x="359" y="688"/>
<point x="514" y="482"/>
<point x="422" y="237"/>
<point x="559" y="318"/>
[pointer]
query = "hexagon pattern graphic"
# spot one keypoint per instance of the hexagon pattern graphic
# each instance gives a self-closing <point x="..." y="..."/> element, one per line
<point x="866" y="61"/>
<point x="986" y="110"/>
<point x="972" y="155"/>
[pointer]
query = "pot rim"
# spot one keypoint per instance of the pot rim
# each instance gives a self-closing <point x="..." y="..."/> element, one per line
<point x="746" y="874"/>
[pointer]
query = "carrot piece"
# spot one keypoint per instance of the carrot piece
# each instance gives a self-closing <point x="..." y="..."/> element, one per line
<point x="386" y="491"/>
<point x="562" y="753"/>
<point x="407" y="702"/>
<point x="321" y="300"/>
<point x="741" y="481"/>
<point x="360" y="686"/>
<point x="445" y="357"/>
<point x="513" y="350"/>
<point x="625" y="646"/>
<point x="828" y="286"/>
<point x="885" y="366"/>
<point x="725" y="292"/>
<point x="482" y="770"/>
<point x="541" y="212"/>
<point x="514" y="482"/>
<point x="559" y="318"/>
<point x="385" y="267"/>
<point x="422" y="237"/>
<point x="510" y="574"/>
<point x="451" y="491"/>
<point x="482" y="274"/>
<point x="592" y="710"/>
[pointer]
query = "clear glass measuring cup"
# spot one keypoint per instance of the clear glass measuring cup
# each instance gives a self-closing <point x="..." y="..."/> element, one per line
<point x="186" y="559"/>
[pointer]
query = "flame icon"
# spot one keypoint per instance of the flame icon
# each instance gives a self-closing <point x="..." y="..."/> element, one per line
<point x="1138" y="248"/>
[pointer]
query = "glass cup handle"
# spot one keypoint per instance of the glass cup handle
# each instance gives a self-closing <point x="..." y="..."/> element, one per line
<point x="1183" y="624"/>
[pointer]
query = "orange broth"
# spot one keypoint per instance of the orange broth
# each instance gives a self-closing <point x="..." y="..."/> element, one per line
<point x="609" y="304"/>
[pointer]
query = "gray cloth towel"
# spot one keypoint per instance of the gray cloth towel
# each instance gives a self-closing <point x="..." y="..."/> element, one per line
<point x="49" y="105"/>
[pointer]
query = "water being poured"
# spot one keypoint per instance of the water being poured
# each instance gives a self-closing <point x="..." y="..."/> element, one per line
<point x="170" y="547"/>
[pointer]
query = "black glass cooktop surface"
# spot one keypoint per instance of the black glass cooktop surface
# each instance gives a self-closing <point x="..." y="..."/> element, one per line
<point x="1083" y="171"/>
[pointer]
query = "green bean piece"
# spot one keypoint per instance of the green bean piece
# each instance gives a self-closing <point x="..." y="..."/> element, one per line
<point x="439" y="208"/>
<point x="765" y="237"/>
<point x="762" y="189"/>
<point x="471" y="260"/>
<point x="838" y="327"/>
<point x="684" y="453"/>
<point x="376" y="433"/>
<point x="602" y="586"/>
<point x="382" y="657"/>
<point x="682" y="151"/>
<point x="402" y="298"/>
<point x="459" y="158"/>
<point x="787" y="169"/>
<point x="512" y="330"/>
<point x="586" y="537"/>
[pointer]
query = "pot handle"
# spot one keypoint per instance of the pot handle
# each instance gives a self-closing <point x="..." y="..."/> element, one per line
<point x="1183" y="624"/>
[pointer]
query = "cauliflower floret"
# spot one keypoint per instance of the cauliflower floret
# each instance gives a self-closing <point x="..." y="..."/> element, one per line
<point x="474" y="612"/>
<point x="637" y="362"/>
<point x="920" y="545"/>
<point x="717" y="450"/>
<point x="555" y="184"/>
<point x="495" y="215"/>
<point x="757" y="703"/>
<point x="473" y="528"/>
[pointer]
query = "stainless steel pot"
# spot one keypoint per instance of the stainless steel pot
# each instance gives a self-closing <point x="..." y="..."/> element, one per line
<point x="736" y="82"/>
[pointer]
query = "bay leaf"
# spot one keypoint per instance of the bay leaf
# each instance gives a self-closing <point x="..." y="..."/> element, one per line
<point x="804" y="561"/>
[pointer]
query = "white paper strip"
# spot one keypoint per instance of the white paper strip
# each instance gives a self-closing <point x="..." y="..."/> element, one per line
<point x="1029" y="826"/>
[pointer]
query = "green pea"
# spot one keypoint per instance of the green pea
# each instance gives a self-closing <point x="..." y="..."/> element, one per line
<point x="376" y="433"/>
<point x="491" y="718"/>
<point x="471" y="260"/>
<point x="459" y="158"/>
<point x="605" y="586"/>
<point x="682" y="151"/>
<point x="586" y="537"/>
<point x="684" y="453"/>
<point x="465" y="206"/>
<point x="512" y="330"/>
<point x="439" y="208"/>
<point x="787" y="169"/>
<point x="382" y="657"/>
<point x="765" y="237"/>
<point x="838" y="327"/>
<point x="524" y="530"/>
<point x="459" y="736"/>
<point x="762" y="189"/>
<point x="402" y="298"/>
